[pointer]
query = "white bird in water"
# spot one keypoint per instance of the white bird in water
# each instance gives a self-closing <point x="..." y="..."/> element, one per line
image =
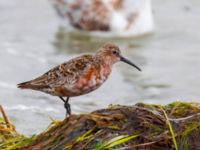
<point x="107" y="17"/>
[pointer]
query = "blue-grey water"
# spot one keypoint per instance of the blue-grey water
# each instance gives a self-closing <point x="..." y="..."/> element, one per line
<point x="31" y="42"/>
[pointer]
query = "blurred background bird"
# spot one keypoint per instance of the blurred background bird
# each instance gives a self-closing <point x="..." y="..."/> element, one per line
<point x="110" y="17"/>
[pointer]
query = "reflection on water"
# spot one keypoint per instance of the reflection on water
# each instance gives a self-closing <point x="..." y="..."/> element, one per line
<point x="81" y="42"/>
<point x="31" y="42"/>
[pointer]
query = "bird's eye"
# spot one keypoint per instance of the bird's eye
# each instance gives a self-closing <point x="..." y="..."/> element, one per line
<point x="115" y="52"/>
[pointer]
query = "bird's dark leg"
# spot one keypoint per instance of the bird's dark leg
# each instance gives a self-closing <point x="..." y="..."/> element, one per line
<point x="66" y="105"/>
<point x="62" y="99"/>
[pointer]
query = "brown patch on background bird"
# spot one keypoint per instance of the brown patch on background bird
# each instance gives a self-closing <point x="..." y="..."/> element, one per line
<point x="117" y="4"/>
<point x="75" y="5"/>
<point x="94" y="17"/>
<point x="78" y="76"/>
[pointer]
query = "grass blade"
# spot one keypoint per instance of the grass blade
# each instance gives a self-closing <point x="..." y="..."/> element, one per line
<point x="123" y="140"/>
<point x="170" y="128"/>
<point x="114" y="142"/>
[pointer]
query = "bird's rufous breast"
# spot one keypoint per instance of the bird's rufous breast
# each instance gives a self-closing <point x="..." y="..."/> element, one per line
<point x="92" y="79"/>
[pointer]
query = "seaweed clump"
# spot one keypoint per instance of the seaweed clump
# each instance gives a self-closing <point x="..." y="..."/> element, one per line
<point x="138" y="127"/>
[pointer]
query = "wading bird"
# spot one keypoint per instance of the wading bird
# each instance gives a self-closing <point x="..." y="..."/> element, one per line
<point x="78" y="76"/>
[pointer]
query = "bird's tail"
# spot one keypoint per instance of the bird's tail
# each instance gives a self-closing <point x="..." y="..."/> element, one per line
<point x="24" y="85"/>
<point x="34" y="84"/>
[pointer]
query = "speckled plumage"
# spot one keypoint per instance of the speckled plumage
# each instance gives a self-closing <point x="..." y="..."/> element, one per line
<point x="73" y="78"/>
<point x="77" y="76"/>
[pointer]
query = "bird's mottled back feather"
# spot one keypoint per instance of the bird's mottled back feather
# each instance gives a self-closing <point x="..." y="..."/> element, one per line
<point x="67" y="73"/>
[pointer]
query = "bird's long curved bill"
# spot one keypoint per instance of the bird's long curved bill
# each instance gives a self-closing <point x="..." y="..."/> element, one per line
<point x="129" y="62"/>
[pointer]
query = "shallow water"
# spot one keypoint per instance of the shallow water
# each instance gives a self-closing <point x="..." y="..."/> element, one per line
<point x="31" y="42"/>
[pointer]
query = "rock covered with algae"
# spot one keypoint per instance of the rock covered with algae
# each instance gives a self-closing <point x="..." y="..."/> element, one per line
<point x="138" y="127"/>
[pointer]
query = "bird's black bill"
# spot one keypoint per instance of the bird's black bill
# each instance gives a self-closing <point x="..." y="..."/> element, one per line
<point x="129" y="62"/>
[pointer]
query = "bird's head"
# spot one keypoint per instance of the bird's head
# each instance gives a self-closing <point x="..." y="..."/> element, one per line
<point x="111" y="54"/>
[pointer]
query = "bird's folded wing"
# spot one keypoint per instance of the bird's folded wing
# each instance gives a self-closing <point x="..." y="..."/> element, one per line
<point x="67" y="73"/>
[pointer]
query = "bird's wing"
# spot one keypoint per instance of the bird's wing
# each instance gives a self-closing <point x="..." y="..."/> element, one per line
<point x="66" y="73"/>
<point x="69" y="72"/>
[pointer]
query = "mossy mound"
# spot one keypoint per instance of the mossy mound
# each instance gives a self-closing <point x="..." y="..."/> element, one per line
<point x="141" y="127"/>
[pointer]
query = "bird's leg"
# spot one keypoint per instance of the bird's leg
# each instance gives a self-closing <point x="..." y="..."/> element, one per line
<point x="66" y="105"/>
<point x="62" y="99"/>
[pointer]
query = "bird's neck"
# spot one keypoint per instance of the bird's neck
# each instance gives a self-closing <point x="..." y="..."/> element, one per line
<point x="105" y="61"/>
<point x="105" y="66"/>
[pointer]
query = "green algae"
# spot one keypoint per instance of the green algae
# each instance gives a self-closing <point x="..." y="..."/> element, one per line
<point x="191" y="127"/>
<point x="16" y="142"/>
<point x="181" y="109"/>
<point x="188" y="131"/>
